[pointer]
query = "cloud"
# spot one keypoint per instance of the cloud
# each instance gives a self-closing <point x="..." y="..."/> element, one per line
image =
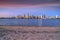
<point x="28" y="2"/>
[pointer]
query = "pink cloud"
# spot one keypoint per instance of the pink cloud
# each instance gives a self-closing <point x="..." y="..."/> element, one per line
<point x="9" y="5"/>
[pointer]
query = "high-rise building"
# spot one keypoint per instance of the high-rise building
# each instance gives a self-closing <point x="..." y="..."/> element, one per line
<point x="26" y="16"/>
<point x="43" y="16"/>
<point x="56" y="16"/>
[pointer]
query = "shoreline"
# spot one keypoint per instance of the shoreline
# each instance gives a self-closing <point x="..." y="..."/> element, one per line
<point x="30" y="28"/>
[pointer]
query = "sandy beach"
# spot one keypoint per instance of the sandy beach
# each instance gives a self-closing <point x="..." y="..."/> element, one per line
<point x="31" y="28"/>
<point x="29" y="33"/>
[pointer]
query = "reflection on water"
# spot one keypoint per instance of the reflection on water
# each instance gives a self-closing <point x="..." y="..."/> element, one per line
<point x="30" y="22"/>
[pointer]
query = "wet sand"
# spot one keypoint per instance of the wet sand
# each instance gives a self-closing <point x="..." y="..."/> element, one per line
<point x="29" y="33"/>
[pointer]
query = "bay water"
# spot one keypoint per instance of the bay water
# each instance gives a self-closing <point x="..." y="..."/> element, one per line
<point x="30" y="22"/>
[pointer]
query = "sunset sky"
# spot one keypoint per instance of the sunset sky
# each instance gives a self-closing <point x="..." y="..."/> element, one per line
<point x="33" y="7"/>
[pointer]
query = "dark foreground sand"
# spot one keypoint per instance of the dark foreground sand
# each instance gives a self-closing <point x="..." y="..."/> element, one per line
<point x="29" y="33"/>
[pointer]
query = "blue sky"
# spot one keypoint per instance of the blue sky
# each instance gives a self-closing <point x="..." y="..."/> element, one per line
<point x="47" y="9"/>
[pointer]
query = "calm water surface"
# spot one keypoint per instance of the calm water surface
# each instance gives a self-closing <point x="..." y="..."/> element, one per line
<point x="30" y="22"/>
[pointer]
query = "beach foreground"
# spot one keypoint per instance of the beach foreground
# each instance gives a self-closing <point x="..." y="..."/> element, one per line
<point x="29" y="33"/>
